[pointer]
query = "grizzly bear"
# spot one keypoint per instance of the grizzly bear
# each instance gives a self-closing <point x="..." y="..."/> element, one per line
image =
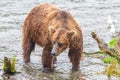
<point x="55" y="30"/>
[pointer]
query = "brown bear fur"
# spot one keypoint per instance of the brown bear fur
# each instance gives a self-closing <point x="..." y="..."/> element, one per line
<point x="55" y="30"/>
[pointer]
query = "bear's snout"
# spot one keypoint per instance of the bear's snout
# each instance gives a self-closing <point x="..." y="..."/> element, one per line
<point x="54" y="51"/>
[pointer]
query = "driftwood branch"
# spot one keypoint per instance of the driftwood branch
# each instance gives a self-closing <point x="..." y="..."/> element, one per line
<point x="117" y="47"/>
<point x="103" y="46"/>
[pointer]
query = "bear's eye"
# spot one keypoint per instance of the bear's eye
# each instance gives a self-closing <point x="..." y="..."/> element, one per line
<point x="60" y="44"/>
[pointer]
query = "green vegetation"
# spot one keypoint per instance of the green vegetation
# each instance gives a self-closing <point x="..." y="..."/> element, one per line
<point x="9" y="65"/>
<point x="6" y="65"/>
<point x="113" y="67"/>
<point x="109" y="59"/>
<point x="13" y="64"/>
<point x="113" y="42"/>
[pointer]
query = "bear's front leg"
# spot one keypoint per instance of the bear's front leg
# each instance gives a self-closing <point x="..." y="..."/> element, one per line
<point x="47" y="58"/>
<point x="75" y="56"/>
<point x="28" y="47"/>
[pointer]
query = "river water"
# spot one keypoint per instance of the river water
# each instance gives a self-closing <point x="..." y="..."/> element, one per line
<point x="91" y="15"/>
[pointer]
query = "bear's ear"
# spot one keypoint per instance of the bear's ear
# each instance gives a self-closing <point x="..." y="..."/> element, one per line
<point x="71" y="34"/>
<point x="51" y="30"/>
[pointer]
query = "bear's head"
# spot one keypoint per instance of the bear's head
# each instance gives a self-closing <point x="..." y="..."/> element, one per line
<point x="60" y="39"/>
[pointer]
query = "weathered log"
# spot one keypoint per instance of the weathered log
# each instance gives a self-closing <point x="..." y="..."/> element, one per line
<point x="117" y="47"/>
<point x="103" y="46"/>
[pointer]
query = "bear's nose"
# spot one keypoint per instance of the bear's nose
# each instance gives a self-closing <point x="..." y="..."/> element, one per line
<point x="53" y="54"/>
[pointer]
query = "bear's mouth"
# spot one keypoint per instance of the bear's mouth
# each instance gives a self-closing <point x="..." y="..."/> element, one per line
<point x="54" y="54"/>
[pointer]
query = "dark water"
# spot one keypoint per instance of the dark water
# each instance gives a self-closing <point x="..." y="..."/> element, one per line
<point x="92" y="15"/>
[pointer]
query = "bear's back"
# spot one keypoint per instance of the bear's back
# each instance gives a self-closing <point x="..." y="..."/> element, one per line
<point x="44" y="15"/>
<point x="43" y="11"/>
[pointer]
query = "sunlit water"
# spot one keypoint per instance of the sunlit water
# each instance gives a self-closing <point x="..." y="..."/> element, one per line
<point x="91" y="15"/>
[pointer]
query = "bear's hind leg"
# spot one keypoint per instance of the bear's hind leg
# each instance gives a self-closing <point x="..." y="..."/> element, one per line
<point x="75" y="56"/>
<point x="28" y="47"/>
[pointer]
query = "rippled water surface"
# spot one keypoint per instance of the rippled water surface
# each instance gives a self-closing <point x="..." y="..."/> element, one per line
<point x="91" y="15"/>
